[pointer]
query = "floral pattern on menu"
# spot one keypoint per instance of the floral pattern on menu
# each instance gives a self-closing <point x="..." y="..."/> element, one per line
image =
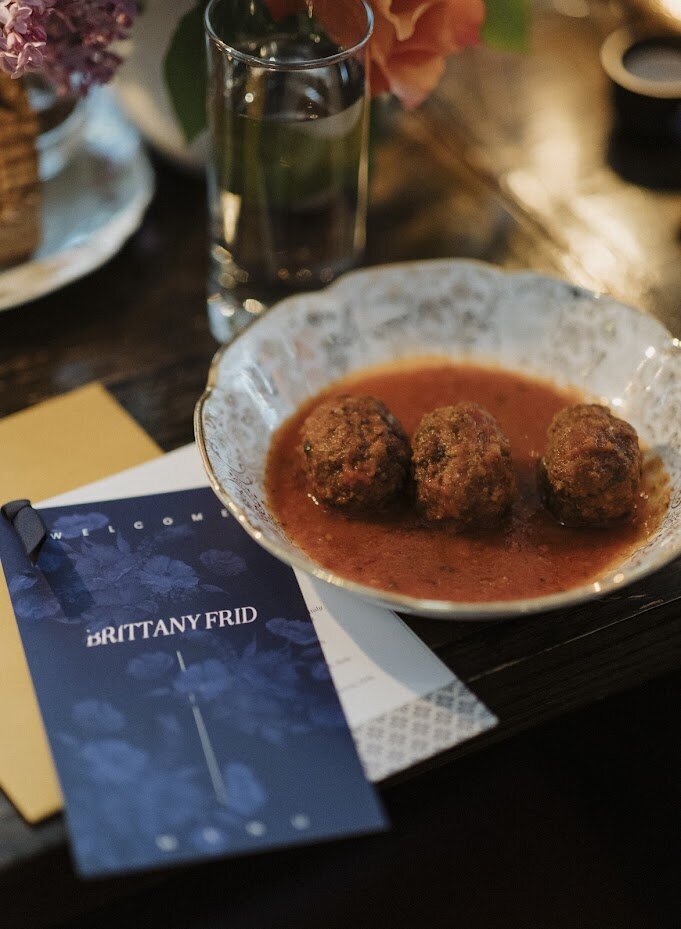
<point x="185" y="693"/>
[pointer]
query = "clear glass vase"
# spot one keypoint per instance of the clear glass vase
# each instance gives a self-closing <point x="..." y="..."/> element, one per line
<point x="61" y="125"/>
<point x="288" y="117"/>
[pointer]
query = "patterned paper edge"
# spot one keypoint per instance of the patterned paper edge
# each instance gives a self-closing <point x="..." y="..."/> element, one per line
<point x="420" y="730"/>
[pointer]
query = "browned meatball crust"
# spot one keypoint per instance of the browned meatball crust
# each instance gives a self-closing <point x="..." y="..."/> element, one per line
<point x="357" y="454"/>
<point x="462" y="467"/>
<point x="591" y="470"/>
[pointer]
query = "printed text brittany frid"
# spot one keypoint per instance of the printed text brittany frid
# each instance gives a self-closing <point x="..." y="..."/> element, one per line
<point x="153" y="628"/>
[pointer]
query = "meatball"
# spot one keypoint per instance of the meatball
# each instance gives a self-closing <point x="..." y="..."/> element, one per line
<point x="462" y="467"/>
<point x="357" y="454"/>
<point x="591" y="469"/>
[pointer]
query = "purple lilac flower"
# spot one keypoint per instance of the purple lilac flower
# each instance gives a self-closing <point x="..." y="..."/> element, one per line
<point x="66" y="41"/>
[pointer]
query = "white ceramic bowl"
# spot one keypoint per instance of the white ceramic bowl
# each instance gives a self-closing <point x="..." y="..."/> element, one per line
<point x="471" y="312"/>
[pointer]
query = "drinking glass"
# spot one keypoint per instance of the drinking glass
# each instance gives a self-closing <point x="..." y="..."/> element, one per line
<point x="288" y="117"/>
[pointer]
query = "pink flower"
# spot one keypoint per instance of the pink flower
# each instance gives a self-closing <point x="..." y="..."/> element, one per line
<point x="412" y="39"/>
<point x="65" y="41"/>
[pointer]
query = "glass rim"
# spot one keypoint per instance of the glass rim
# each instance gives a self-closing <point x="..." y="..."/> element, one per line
<point x="288" y="65"/>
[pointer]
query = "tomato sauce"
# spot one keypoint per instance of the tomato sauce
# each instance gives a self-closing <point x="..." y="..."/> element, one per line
<point x="528" y="556"/>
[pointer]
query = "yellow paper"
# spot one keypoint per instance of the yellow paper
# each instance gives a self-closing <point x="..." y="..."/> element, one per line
<point x="46" y="450"/>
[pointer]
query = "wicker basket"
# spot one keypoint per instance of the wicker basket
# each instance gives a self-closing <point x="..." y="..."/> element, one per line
<point x="19" y="183"/>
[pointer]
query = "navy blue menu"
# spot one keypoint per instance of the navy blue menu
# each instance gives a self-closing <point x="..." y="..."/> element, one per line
<point x="187" y="702"/>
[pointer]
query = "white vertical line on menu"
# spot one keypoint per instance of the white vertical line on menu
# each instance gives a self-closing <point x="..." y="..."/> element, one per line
<point x="209" y="754"/>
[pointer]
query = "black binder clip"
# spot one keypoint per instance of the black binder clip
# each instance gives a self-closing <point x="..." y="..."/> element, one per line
<point x="28" y="525"/>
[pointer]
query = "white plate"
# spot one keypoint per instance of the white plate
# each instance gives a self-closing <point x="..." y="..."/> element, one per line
<point x="469" y="311"/>
<point x="89" y="210"/>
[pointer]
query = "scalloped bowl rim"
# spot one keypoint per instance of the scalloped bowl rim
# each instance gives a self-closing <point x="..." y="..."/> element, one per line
<point x="431" y="608"/>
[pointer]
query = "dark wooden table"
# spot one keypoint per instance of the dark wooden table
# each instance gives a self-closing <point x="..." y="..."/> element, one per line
<point x="574" y="823"/>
